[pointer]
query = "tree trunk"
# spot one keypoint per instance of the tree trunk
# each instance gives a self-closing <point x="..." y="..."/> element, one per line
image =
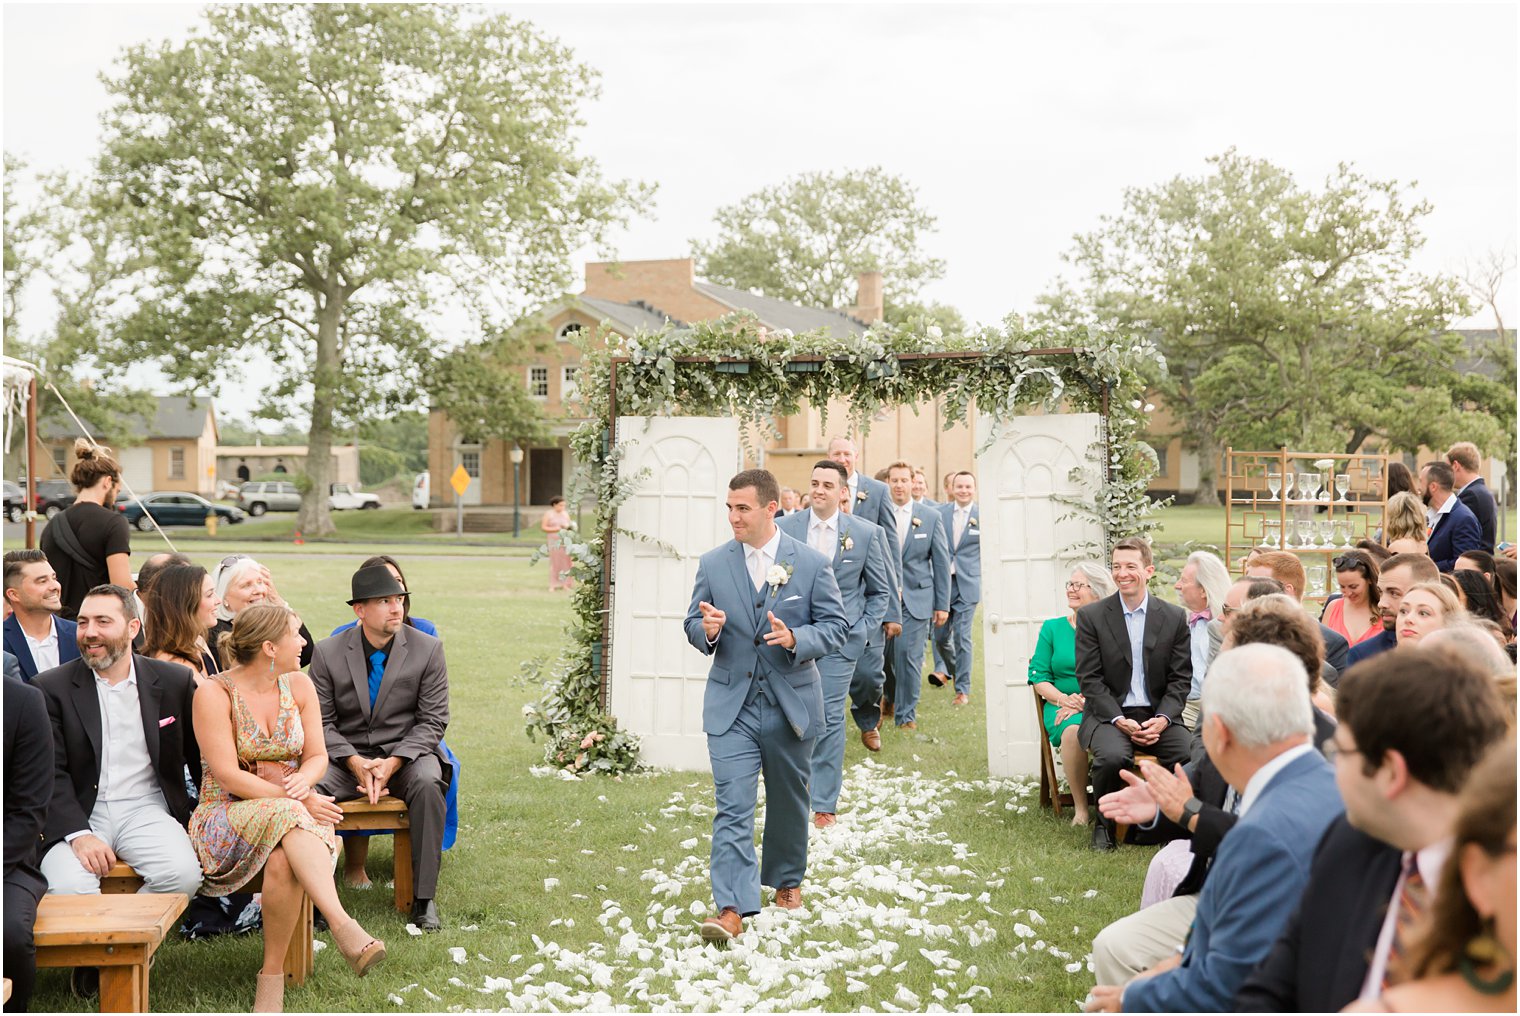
<point x="315" y="519"/>
<point x="1208" y="467"/>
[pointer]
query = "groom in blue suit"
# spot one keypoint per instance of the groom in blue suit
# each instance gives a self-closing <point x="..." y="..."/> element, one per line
<point x="765" y="607"/>
<point x="963" y="523"/>
<point x="857" y="552"/>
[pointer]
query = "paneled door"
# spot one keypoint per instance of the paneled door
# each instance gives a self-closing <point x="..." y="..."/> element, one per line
<point x="1028" y="549"/>
<point x="657" y="678"/>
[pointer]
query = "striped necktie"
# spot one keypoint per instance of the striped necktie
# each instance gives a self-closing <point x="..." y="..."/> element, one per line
<point x="1413" y="897"/>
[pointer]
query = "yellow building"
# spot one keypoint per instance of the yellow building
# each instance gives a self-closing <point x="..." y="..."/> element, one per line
<point x="174" y="450"/>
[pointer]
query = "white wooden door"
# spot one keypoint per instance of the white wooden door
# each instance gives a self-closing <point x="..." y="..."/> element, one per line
<point x="1027" y="553"/>
<point x="657" y="678"/>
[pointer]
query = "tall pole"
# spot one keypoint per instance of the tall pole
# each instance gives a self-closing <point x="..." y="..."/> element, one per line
<point x="31" y="463"/>
<point x="516" y="494"/>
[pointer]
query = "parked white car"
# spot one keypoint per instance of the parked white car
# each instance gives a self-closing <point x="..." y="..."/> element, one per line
<point x="345" y="496"/>
<point x="421" y="491"/>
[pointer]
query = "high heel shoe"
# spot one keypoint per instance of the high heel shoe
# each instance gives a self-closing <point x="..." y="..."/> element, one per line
<point x="358" y="948"/>
<point x="269" y="996"/>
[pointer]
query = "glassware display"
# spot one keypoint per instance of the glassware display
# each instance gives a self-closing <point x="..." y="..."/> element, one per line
<point x="1323" y="479"/>
<point x="1274" y="484"/>
<point x="1270" y="530"/>
<point x="1326" y="533"/>
<point x="1305" y="533"/>
<point x="1306" y="486"/>
<point x="1342" y="484"/>
<point x="1317" y="576"/>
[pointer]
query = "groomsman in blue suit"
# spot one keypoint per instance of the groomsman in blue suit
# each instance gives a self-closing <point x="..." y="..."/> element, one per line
<point x="34" y="633"/>
<point x="962" y="521"/>
<point x="857" y="551"/>
<point x="923" y="584"/>
<point x="766" y="608"/>
<point x="869" y="498"/>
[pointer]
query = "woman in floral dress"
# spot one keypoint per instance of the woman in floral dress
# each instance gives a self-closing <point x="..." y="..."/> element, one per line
<point x="258" y="811"/>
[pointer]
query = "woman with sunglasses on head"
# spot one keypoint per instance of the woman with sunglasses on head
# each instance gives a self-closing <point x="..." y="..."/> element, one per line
<point x="1354" y="613"/>
<point x="241" y="582"/>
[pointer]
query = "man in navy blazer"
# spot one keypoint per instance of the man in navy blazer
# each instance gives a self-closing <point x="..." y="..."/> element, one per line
<point x="923" y="583"/>
<point x="1468" y="484"/>
<point x="34" y="594"/>
<point x="857" y="552"/>
<point x="1258" y="726"/>
<point x="1454" y="528"/>
<point x="962" y="523"/>
<point x="765" y="608"/>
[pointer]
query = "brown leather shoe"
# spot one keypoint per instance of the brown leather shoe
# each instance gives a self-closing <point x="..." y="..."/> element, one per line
<point x="871" y="739"/>
<point x="910" y="725"/>
<point x="789" y="898"/>
<point x="962" y="699"/>
<point x="723" y="928"/>
<point x="939" y="680"/>
<point x="823" y="819"/>
<point x="886" y="709"/>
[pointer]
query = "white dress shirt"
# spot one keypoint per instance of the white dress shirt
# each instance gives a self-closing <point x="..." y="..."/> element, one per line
<point x="1138" y="695"/>
<point x="903" y="514"/>
<point x="1433" y="515"/>
<point x="126" y="770"/>
<point x="1263" y="776"/>
<point x="1430" y="861"/>
<point x="759" y="560"/>
<point x="821" y="534"/>
<point x="44" y="651"/>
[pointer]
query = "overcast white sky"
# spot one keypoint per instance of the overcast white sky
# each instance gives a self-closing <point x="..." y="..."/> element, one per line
<point x="1020" y="124"/>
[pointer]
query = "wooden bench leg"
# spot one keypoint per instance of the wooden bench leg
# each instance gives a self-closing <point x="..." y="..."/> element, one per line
<point x="124" y="988"/>
<point x="402" y="846"/>
<point x="298" y="956"/>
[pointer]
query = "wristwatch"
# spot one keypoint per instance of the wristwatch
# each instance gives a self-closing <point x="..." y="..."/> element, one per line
<point x="1190" y="809"/>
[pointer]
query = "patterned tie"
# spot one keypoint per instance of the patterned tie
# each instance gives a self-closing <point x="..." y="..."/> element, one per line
<point x="1413" y="897"/>
<point x="376" y="672"/>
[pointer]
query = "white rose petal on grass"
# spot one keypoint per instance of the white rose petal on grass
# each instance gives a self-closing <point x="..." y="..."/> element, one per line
<point x="1072" y="968"/>
<point x="413" y="930"/>
<point x="1089" y="894"/>
<point x="395" y="999"/>
<point x="317" y="945"/>
<point x="550" y="883"/>
<point x="1023" y="931"/>
<point x="458" y="954"/>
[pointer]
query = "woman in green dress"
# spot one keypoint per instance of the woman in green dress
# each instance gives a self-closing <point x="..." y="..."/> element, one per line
<point x="1053" y="673"/>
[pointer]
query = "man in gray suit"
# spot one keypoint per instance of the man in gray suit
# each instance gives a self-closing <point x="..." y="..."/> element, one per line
<point x="857" y="551"/>
<point x="962" y="522"/>
<point x="384" y="691"/>
<point x="765" y="607"/>
<point x="923" y="584"/>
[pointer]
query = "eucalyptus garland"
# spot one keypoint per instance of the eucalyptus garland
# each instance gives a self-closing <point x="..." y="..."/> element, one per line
<point x="734" y="367"/>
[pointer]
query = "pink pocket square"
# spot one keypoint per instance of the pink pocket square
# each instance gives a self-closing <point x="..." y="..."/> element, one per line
<point x="165" y="722"/>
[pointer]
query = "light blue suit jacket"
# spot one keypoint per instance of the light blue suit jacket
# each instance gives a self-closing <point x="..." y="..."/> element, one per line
<point x="967" y="554"/>
<point x="862" y="573"/>
<point x="808" y="603"/>
<point x="1258" y="874"/>
<point x="873" y="502"/>
<point x="925" y="564"/>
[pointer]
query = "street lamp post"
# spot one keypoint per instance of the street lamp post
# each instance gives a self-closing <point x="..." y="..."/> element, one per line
<point x="517" y="457"/>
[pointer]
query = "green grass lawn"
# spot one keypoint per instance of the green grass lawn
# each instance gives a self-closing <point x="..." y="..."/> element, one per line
<point x="983" y="852"/>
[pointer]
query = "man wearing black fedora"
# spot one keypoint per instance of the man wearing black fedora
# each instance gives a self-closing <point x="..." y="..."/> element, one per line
<point x="384" y="691"/>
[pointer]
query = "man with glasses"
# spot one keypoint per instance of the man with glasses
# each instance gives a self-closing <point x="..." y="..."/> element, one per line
<point x="1413" y="724"/>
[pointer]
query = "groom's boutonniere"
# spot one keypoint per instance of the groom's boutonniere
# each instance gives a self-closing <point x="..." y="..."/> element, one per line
<point x="917" y="522"/>
<point x="778" y="576"/>
<point x="971" y="520"/>
<point x="846" y="542"/>
<point x="862" y="495"/>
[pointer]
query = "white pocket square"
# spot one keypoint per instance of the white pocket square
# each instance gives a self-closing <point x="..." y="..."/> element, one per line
<point x="789" y="599"/>
<point x="920" y="536"/>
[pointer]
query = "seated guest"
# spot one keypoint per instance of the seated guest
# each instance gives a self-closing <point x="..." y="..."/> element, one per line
<point x="1427" y="607"/>
<point x="1289" y="570"/>
<point x="258" y="810"/>
<point x="1354" y="614"/>
<point x="1257" y="724"/>
<point x="1453" y="526"/>
<point x="1400" y="479"/>
<point x="1052" y="674"/>
<point x="390" y="742"/>
<point x="1504" y="581"/>
<point x="181" y="612"/>
<point x="28" y="789"/>
<point x="122" y="737"/>
<point x="1412" y="727"/>
<point x="1464" y="958"/>
<point x="1475" y="643"/>
<point x="34" y="632"/>
<point x="1467" y="484"/>
<point x="1395" y="577"/>
<point x="1134" y="665"/>
<point x="1478" y="596"/>
<point x="1376" y="550"/>
<point x="1480" y="561"/>
<point x="422" y="624"/>
<point x="241" y="582"/>
<point x="1404" y="525"/>
<point x="145" y="577"/>
<point x="1202" y="587"/>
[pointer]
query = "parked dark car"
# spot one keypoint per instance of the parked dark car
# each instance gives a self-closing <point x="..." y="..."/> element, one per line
<point x="53" y="496"/>
<point x="171" y="508"/>
<point x="15" y="501"/>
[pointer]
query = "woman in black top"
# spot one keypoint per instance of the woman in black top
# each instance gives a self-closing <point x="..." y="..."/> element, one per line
<point x="89" y="542"/>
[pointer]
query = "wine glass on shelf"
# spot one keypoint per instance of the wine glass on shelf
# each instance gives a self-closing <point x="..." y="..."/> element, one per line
<point x="1342" y="484"/>
<point x="1305" y="486"/>
<point x="1274" y="484"/>
<point x="1324" y="481"/>
<point x="1269" y="533"/>
<point x="1317" y="576"/>
<point x="1326" y="533"/>
<point x="1305" y="533"/>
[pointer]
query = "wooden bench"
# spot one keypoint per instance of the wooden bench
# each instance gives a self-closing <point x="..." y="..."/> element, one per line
<point x="117" y="933"/>
<point x="388" y="816"/>
<point x="299" y="958"/>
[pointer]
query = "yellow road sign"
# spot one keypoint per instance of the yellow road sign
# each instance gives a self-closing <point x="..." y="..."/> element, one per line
<point x="460" y="481"/>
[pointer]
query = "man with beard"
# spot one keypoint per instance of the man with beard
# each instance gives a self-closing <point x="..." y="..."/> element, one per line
<point x="1396" y="576"/>
<point x="1454" y="529"/>
<point x="122" y="738"/>
<point x="384" y="690"/>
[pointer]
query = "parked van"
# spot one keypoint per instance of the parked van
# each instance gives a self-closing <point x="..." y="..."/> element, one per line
<point x="421" y="491"/>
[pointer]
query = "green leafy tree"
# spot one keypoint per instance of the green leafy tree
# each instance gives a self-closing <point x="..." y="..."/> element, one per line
<point x="806" y="239"/>
<point x="316" y="184"/>
<point x="1287" y="315"/>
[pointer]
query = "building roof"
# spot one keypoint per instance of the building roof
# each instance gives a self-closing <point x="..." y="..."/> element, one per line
<point x="268" y="450"/>
<point x="779" y="314"/>
<point x="628" y="317"/>
<point x="174" y="416"/>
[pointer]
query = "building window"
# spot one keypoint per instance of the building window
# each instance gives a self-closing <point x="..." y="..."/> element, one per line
<point x="176" y="463"/>
<point x="471" y="463"/>
<point x="568" y="332"/>
<point x="61" y="459"/>
<point x="567" y="387"/>
<point x="538" y="382"/>
<point x="1161" y="450"/>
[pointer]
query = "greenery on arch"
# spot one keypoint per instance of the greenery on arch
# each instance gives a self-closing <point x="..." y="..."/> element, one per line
<point x="734" y="367"/>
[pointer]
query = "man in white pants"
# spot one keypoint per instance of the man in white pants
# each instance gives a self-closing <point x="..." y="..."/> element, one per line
<point x="122" y="738"/>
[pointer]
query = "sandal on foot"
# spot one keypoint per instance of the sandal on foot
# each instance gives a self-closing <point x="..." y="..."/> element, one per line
<point x="358" y="948"/>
